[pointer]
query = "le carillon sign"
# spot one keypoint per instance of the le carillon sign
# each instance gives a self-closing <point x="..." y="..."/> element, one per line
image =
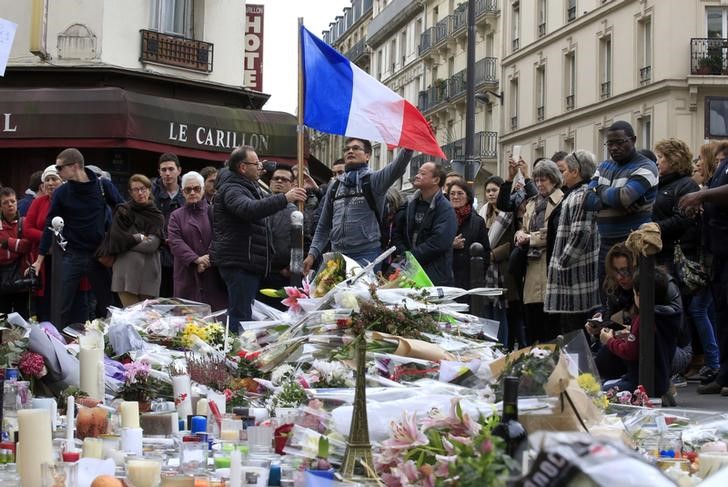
<point x="115" y="113"/>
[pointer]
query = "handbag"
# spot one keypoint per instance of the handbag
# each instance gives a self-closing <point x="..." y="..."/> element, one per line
<point x="690" y="274"/>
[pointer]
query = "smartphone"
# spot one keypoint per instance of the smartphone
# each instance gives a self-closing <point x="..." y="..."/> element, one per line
<point x="516" y="152"/>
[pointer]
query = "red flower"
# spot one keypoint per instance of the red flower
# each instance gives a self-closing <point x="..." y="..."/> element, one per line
<point x="228" y="394"/>
<point x="32" y="364"/>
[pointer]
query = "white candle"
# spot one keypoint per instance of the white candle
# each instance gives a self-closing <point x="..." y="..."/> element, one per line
<point x="131" y="441"/>
<point x="129" y="414"/>
<point x="70" y="420"/>
<point x="236" y="474"/>
<point x="91" y="358"/>
<point x="48" y="403"/>
<point x="230" y="435"/>
<point x="144" y="473"/>
<point x="203" y="408"/>
<point x="225" y="339"/>
<point x="92" y="448"/>
<point x="182" y="395"/>
<point x="34" y="432"/>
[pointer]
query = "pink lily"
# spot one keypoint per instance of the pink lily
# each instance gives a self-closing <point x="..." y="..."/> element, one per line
<point x="294" y="294"/>
<point x="405" y="434"/>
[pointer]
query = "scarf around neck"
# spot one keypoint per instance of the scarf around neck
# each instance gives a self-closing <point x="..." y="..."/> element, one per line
<point x="463" y="213"/>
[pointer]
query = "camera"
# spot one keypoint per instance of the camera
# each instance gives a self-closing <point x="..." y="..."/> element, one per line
<point x="31" y="282"/>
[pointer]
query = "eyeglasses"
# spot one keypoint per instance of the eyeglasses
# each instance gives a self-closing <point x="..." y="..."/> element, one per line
<point x="626" y="273"/>
<point x="577" y="161"/>
<point x="281" y="179"/>
<point x="142" y="189"/>
<point x="355" y="148"/>
<point x="192" y="189"/>
<point x="615" y="142"/>
<point x="61" y="166"/>
<point x="258" y="163"/>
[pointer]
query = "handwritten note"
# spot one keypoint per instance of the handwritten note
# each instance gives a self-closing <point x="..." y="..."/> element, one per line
<point x="7" y="34"/>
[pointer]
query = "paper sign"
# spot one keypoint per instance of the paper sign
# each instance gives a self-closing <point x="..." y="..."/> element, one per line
<point x="7" y="34"/>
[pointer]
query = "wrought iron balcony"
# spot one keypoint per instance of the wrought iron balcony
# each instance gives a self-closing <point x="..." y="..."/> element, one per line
<point x="485" y="7"/>
<point x="425" y="41"/>
<point x="570" y="102"/>
<point x="645" y="75"/>
<point x="358" y="51"/>
<point x="455" y="86"/>
<point x="173" y="50"/>
<point x="485" y="146"/>
<point x="709" y="56"/>
<point x="443" y="29"/>
<point x="606" y="90"/>
<point x="460" y="18"/>
<point x="539" y="113"/>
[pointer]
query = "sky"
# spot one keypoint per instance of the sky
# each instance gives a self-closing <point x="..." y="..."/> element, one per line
<point x="280" y="44"/>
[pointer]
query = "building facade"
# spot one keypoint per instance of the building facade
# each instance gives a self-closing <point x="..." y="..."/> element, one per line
<point x="126" y="81"/>
<point x="573" y="67"/>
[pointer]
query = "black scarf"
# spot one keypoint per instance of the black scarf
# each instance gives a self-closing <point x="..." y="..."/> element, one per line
<point x="131" y="218"/>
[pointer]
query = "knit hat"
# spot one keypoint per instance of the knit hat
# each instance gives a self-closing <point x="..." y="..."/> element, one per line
<point x="50" y="170"/>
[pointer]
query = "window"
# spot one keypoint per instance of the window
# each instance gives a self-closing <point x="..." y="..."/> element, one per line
<point x="516" y="25"/>
<point x="403" y="48"/>
<point x="380" y="63"/>
<point x="645" y="132"/>
<point x="541" y="18"/>
<point x="717" y="22"/>
<point x="716" y="117"/>
<point x="605" y="52"/>
<point x="570" y="77"/>
<point x="392" y="55"/>
<point x="646" y="50"/>
<point x="514" y="103"/>
<point x="571" y="10"/>
<point x="540" y="92"/>
<point x="173" y="17"/>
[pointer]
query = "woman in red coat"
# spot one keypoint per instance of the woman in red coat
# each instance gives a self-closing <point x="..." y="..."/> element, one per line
<point x="13" y="248"/>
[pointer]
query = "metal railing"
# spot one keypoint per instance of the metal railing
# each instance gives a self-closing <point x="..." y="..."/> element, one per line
<point x="425" y="41"/>
<point x="606" y="89"/>
<point x="460" y="17"/>
<point x="542" y="29"/>
<point x="173" y="50"/>
<point x="645" y="75"/>
<point x="570" y="102"/>
<point x="443" y="29"/>
<point x="444" y="90"/>
<point x="571" y="14"/>
<point x="485" y="146"/>
<point x="539" y="113"/>
<point x="358" y="50"/>
<point x="485" y="7"/>
<point x="709" y="56"/>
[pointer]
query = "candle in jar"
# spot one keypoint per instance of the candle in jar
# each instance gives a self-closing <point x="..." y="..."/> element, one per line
<point x="93" y="448"/>
<point x="230" y="435"/>
<point x="35" y="445"/>
<point x="160" y="423"/>
<point x="174" y="480"/>
<point x="144" y="473"/>
<point x="70" y="419"/>
<point x="129" y="414"/>
<point x="203" y="408"/>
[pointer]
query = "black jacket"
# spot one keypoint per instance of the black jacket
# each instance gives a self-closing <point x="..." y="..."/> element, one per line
<point x="715" y="216"/>
<point x="433" y="249"/>
<point x="473" y="230"/>
<point x="241" y="230"/>
<point x="673" y="226"/>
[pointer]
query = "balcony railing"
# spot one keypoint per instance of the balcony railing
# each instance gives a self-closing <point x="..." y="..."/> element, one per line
<point x="571" y="14"/>
<point x="178" y="51"/>
<point x="570" y="102"/>
<point x="460" y="17"/>
<point x="486" y="7"/>
<point x="443" y="29"/>
<point x="645" y="75"/>
<point x="514" y="122"/>
<point x="425" y="41"/>
<point x="358" y="51"/>
<point x="485" y="146"/>
<point x="606" y="90"/>
<point x="542" y="29"/>
<point x="539" y="113"/>
<point x="444" y="90"/>
<point x="709" y="56"/>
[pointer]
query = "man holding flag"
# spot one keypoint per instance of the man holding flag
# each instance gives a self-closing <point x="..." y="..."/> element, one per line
<point x="340" y="98"/>
<point x="354" y="205"/>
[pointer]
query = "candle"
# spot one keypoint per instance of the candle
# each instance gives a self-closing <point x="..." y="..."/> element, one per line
<point x="174" y="480"/>
<point x="70" y="420"/>
<point x="219" y="400"/>
<point x="236" y="473"/>
<point x="129" y="414"/>
<point x="48" y="403"/>
<point x="160" y="423"/>
<point x="71" y="456"/>
<point x="230" y="435"/>
<point x="198" y="424"/>
<point x="203" y="408"/>
<point x="91" y="358"/>
<point x="222" y="461"/>
<point x="92" y="448"/>
<point x="131" y="441"/>
<point x="34" y="434"/>
<point x="144" y="473"/>
<point x="182" y="390"/>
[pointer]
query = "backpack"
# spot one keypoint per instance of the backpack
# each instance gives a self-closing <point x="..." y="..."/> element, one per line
<point x="366" y="188"/>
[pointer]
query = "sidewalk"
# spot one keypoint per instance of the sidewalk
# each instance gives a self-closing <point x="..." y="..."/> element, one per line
<point x="688" y="398"/>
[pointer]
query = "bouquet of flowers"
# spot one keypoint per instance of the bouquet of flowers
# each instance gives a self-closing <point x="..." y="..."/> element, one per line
<point x="211" y="333"/>
<point x="332" y="272"/>
<point x="139" y="385"/>
<point x="593" y="389"/>
<point x="534" y="368"/>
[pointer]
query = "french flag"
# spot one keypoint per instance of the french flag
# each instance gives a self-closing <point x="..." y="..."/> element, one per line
<point x="340" y="98"/>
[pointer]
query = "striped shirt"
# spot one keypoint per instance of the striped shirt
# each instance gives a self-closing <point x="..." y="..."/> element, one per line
<point x="627" y="201"/>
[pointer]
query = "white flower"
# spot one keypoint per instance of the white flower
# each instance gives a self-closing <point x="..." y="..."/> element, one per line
<point x="331" y="372"/>
<point x="281" y="373"/>
<point x="540" y="352"/>
<point x="348" y="300"/>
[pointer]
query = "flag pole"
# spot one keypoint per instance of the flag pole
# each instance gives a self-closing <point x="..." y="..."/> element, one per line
<point x="299" y="127"/>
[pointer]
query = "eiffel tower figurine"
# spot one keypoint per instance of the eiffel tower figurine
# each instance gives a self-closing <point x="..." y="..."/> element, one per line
<point x="358" y="448"/>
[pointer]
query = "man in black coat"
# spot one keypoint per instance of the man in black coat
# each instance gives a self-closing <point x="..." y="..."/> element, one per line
<point x="242" y="241"/>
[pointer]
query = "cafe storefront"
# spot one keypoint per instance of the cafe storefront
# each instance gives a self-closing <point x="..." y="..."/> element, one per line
<point x="124" y="132"/>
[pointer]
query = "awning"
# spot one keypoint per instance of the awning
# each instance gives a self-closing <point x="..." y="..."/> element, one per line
<point x="118" y="118"/>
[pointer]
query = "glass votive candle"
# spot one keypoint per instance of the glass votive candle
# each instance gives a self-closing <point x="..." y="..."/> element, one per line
<point x="193" y="457"/>
<point x="93" y="448"/>
<point x="144" y="472"/>
<point x="255" y="472"/>
<point x="177" y="480"/>
<point x="230" y="430"/>
<point x="60" y="474"/>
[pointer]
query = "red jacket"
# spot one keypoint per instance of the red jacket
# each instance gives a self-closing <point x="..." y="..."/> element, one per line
<point x="35" y="221"/>
<point x="17" y="247"/>
<point x="627" y="347"/>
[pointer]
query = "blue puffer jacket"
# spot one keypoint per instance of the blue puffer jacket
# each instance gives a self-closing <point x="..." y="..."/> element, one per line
<point x="242" y="234"/>
<point x="433" y="249"/>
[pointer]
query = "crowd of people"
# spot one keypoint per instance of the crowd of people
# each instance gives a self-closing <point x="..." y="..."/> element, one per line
<point x="553" y="235"/>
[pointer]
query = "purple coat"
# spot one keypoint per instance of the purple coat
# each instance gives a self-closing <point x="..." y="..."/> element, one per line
<point x="189" y="235"/>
